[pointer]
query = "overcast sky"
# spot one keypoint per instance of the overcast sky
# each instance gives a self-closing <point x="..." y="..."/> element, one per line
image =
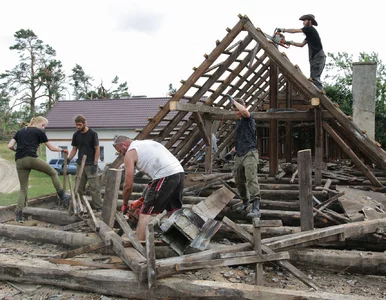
<point x="151" y="43"/>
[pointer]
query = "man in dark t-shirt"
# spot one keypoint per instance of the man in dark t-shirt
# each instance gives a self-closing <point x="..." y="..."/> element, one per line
<point x="246" y="159"/>
<point x="85" y="141"/>
<point x="315" y="49"/>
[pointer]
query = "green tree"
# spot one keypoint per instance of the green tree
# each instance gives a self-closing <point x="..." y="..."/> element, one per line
<point x="339" y="87"/>
<point x="53" y="79"/>
<point x="24" y="82"/>
<point x="83" y="88"/>
<point x="81" y="82"/>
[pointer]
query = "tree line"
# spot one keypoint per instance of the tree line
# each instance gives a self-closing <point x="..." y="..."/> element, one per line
<point x="38" y="77"/>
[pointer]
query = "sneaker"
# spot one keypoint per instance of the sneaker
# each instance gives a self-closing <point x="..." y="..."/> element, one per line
<point x="19" y="216"/>
<point x="64" y="198"/>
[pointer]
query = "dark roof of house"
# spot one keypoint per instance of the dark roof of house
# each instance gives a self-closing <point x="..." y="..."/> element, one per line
<point x="105" y="113"/>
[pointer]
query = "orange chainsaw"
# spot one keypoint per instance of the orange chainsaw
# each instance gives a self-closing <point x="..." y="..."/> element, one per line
<point x="134" y="210"/>
<point x="278" y="38"/>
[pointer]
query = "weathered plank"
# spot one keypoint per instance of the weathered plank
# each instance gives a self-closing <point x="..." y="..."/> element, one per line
<point x="130" y="233"/>
<point x="305" y="190"/>
<point x="111" y="196"/>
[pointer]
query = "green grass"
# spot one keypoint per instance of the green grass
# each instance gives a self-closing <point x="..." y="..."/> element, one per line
<point x="39" y="183"/>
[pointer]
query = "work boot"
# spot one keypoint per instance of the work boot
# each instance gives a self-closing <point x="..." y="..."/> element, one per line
<point x="64" y="198"/>
<point x="19" y="216"/>
<point x="255" y="212"/>
<point x="242" y="208"/>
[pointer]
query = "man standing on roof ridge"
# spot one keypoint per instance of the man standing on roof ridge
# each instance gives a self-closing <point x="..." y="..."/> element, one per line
<point x="317" y="57"/>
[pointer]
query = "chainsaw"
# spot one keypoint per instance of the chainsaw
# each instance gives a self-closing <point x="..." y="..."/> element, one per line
<point x="278" y="38"/>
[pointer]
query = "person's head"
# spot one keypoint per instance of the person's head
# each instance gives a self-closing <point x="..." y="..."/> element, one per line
<point x="308" y="20"/>
<point x="80" y="123"/>
<point x="39" y="122"/>
<point x="121" y="143"/>
<point x="240" y="101"/>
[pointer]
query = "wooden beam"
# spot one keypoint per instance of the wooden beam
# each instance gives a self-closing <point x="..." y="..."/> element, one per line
<point x="123" y="283"/>
<point x="318" y="145"/>
<point x="217" y="113"/>
<point x="273" y="124"/>
<point x="201" y="126"/>
<point x="83" y="249"/>
<point x="47" y="236"/>
<point x="346" y="149"/>
<point x="130" y="256"/>
<point x="130" y="233"/>
<point x="93" y="221"/>
<point x="53" y="216"/>
<point x="212" y="57"/>
<point x="111" y="196"/>
<point x="150" y="256"/>
<point x="233" y="261"/>
<point x="305" y="190"/>
<point x="285" y="264"/>
<point x="79" y="174"/>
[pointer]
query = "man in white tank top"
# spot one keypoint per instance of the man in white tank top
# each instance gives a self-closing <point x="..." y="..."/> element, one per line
<point x="166" y="172"/>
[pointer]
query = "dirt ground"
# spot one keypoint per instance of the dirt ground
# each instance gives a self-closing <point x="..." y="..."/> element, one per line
<point x="8" y="177"/>
<point x="373" y="287"/>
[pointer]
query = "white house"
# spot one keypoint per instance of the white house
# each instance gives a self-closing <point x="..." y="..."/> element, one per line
<point x="108" y="117"/>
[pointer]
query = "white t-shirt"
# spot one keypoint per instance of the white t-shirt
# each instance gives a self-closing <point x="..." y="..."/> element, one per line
<point x="155" y="160"/>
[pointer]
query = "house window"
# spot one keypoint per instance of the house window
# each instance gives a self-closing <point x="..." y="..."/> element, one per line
<point x="102" y="156"/>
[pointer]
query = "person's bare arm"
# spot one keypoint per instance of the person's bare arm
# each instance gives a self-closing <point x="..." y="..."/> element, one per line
<point x="53" y="148"/>
<point x="288" y="30"/>
<point x="242" y="109"/>
<point x="97" y="154"/>
<point x="11" y="145"/>
<point x="72" y="153"/>
<point x="130" y="160"/>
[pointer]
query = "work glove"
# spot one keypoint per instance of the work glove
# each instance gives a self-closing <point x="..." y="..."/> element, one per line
<point x="65" y="151"/>
<point x="231" y="100"/>
<point x="289" y="42"/>
<point x="124" y="208"/>
<point x="280" y="29"/>
<point x="93" y="169"/>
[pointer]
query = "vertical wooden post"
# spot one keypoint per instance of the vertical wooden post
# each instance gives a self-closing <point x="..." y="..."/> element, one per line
<point x="288" y="125"/>
<point x="318" y="145"/>
<point x="65" y="170"/>
<point x="273" y="124"/>
<point x="80" y="173"/>
<point x="150" y="256"/>
<point x="305" y="190"/>
<point x="111" y="196"/>
<point x="327" y="146"/>
<point x="257" y="247"/>
<point x="208" y="151"/>
<point x="73" y="200"/>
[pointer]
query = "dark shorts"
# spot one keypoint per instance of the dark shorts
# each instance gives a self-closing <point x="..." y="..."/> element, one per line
<point x="164" y="193"/>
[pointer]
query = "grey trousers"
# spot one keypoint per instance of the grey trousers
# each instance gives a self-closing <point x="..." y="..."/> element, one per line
<point x="93" y="184"/>
<point x="245" y="173"/>
<point x="317" y="64"/>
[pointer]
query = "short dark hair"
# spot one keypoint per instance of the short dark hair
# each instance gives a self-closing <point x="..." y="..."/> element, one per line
<point x="80" y="119"/>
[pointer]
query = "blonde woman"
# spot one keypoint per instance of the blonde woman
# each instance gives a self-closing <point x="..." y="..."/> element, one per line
<point x="26" y="143"/>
